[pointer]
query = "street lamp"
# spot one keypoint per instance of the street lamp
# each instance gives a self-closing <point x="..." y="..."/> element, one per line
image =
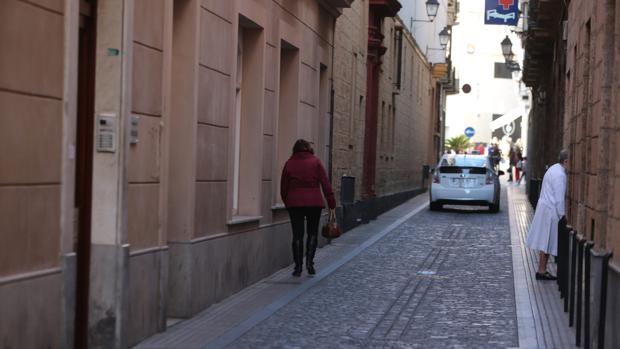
<point x="432" y="6"/>
<point x="506" y="47"/>
<point x="509" y="56"/>
<point x="444" y="37"/>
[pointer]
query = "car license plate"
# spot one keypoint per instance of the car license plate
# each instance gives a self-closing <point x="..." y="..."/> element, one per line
<point x="468" y="182"/>
<point x="463" y="182"/>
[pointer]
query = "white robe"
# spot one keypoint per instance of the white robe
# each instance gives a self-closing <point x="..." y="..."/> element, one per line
<point x="543" y="234"/>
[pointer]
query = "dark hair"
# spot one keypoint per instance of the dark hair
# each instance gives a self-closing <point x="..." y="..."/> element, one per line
<point x="563" y="156"/>
<point x="302" y="145"/>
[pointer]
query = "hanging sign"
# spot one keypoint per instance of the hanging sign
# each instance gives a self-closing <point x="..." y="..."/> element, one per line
<point x="501" y="12"/>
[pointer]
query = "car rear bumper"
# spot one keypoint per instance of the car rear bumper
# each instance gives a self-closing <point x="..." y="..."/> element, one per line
<point x="473" y="196"/>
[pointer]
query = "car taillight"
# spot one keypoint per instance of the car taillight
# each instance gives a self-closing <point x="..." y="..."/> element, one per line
<point x="436" y="177"/>
<point x="489" y="179"/>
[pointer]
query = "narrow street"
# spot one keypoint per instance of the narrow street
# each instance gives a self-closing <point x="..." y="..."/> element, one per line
<point x="411" y="279"/>
<point x="439" y="280"/>
<point x="175" y="170"/>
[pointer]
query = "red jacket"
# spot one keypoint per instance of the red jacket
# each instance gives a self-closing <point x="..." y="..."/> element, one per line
<point x="302" y="176"/>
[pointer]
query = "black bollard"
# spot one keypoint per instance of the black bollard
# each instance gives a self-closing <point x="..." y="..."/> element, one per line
<point x="586" y="296"/>
<point x="579" y="285"/>
<point x="573" y="267"/>
<point x="603" y="313"/>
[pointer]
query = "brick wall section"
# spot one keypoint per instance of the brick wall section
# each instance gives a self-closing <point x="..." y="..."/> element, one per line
<point x="404" y="116"/>
<point x="350" y="94"/>
<point x="591" y="125"/>
<point x="404" y="140"/>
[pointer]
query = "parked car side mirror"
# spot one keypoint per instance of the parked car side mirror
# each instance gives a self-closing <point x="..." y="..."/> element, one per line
<point x="500" y="173"/>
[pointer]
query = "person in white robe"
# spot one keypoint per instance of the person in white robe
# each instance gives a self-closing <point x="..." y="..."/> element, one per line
<point x="543" y="233"/>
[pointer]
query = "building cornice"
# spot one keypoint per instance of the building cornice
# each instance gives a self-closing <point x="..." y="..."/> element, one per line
<point x="334" y="7"/>
<point x="385" y="8"/>
<point x="544" y="17"/>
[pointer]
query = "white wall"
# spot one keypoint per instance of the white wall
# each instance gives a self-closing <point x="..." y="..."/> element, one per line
<point x="426" y="34"/>
<point x="476" y="48"/>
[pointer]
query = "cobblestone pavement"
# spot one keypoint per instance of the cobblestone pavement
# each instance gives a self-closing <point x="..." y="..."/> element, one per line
<point x="440" y="280"/>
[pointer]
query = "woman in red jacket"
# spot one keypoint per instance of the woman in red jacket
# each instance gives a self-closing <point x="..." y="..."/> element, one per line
<point x="303" y="177"/>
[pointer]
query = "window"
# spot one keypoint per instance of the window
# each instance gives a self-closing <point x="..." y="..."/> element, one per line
<point x="354" y="72"/>
<point x="288" y="97"/>
<point x="247" y="120"/>
<point x="382" y="139"/>
<point x="325" y="97"/>
<point x="392" y="127"/>
<point x="398" y="57"/>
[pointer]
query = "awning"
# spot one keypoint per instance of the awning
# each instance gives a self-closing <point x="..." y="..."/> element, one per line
<point x="505" y="119"/>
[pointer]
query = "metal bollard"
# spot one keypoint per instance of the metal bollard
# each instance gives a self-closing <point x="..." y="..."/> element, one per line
<point x="561" y="257"/>
<point x="586" y="296"/>
<point x="573" y="266"/>
<point x="579" y="286"/>
<point x="564" y="266"/>
<point x="603" y="312"/>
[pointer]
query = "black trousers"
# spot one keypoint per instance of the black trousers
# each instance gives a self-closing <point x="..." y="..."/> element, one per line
<point x="304" y="219"/>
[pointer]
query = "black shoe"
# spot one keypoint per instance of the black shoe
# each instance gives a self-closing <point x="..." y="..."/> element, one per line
<point x="298" y="257"/>
<point x="545" y="276"/>
<point x="310" y="250"/>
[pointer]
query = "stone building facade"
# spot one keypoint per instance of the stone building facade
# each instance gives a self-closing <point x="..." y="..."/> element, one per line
<point x="143" y="143"/>
<point x="388" y="107"/>
<point x="579" y="99"/>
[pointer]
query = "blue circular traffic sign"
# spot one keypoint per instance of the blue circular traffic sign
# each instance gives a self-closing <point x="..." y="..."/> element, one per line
<point x="470" y="132"/>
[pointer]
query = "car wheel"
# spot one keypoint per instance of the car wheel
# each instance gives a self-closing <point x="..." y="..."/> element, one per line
<point x="494" y="207"/>
<point x="435" y="206"/>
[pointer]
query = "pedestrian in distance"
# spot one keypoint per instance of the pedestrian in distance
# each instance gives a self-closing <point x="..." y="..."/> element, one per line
<point x="496" y="155"/>
<point x="550" y="210"/>
<point x="512" y="161"/>
<point x="303" y="178"/>
<point x="518" y="158"/>
<point x="522" y="165"/>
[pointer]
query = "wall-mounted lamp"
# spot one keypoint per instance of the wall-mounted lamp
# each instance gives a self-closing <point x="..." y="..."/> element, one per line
<point x="432" y="6"/>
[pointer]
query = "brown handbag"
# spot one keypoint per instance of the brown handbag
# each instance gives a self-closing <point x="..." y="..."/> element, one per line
<point x="331" y="230"/>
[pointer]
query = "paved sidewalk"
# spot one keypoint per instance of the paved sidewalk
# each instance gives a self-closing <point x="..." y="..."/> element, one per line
<point x="225" y="321"/>
<point x="411" y="279"/>
<point x="542" y="321"/>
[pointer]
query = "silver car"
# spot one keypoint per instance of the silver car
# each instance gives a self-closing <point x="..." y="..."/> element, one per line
<point x="465" y="180"/>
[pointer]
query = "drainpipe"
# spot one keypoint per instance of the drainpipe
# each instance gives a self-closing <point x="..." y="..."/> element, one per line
<point x="331" y="108"/>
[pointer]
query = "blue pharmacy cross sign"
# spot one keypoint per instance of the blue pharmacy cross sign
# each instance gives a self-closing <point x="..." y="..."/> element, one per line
<point x="501" y="12"/>
<point x="470" y="132"/>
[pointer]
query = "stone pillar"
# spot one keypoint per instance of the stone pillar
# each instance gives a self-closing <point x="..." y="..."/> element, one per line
<point x="183" y="152"/>
<point x="378" y="10"/>
<point x="109" y="249"/>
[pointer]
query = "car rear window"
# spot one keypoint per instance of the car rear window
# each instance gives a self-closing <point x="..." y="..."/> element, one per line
<point x="464" y="162"/>
<point x="456" y="169"/>
<point x="457" y="164"/>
